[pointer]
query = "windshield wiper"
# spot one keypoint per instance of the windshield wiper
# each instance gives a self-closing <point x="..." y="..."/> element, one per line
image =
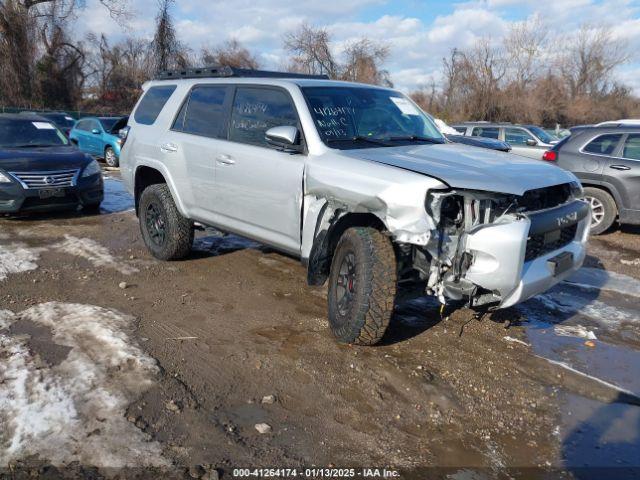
<point x="416" y="138"/>
<point x="360" y="138"/>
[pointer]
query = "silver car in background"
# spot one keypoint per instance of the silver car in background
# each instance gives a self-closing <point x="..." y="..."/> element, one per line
<point x="525" y="140"/>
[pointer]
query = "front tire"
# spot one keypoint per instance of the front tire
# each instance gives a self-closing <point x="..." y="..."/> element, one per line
<point x="603" y="209"/>
<point x="362" y="286"/>
<point x="166" y="233"/>
<point x="111" y="158"/>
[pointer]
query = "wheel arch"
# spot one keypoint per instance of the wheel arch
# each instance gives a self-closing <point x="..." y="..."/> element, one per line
<point x="610" y="189"/>
<point x="321" y="255"/>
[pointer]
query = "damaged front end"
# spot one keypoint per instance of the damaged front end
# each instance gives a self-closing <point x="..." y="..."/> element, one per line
<point x="495" y="250"/>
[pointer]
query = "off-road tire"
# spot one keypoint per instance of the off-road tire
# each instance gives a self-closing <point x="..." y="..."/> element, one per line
<point x="110" y="157"/>
<point x="609" y="206"/>
<point x="178" y="238"/>
<point x="374" y="289"/>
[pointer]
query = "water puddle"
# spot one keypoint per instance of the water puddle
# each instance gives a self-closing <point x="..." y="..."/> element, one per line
<point x="116" y="197"/>
<point x="591" y="324"/>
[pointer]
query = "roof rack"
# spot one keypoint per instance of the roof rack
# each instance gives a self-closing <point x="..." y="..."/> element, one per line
<point x="222" y="72"/>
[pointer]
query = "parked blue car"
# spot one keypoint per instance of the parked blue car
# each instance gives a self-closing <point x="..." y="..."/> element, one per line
<point x="98" y="136"/>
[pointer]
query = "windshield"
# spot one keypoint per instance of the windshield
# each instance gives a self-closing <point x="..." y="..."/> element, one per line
<point x="60" y="119"/>
<point x="27" y="133"/>
<point x="357" y="117"/>
<point x="108" y="123"/>
<point x="542" y="135"/>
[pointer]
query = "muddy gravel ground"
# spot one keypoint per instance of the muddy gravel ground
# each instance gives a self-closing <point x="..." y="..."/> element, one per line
<point x="114" y="364"/>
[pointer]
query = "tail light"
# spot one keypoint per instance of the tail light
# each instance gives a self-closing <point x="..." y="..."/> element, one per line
<point x="550" y="156"/>
<point x="123" y="134"/>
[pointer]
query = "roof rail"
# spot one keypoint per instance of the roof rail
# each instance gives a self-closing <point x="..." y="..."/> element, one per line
<point x="222" y="72"/>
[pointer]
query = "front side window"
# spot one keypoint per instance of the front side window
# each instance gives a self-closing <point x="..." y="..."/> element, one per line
<point x="203" y="113"/>
<point x="603" y="145"/>
<point x="517" y="136"/>
<point x="83" y="125"/>
<point x="152" y="104"/>
<point x="30" y="134"/>
<point x="487" y="132"/>
<point x="632" y="147"/>
<point x="361" y="117"/>
<point x="256" y="110"/>
<point x="108" y="123"/>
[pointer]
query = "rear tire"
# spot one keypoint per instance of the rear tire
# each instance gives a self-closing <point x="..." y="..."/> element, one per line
<point x="362" y="286"/>
<point x="166" y="233"/>
<point x="603" y="209"/>
<point x="111" y="158"/>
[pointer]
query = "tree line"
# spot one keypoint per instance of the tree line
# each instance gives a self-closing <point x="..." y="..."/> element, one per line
<point x="528" y="76"/>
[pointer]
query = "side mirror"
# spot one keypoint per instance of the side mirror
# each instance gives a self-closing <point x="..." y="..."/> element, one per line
<point x="95" y="131"/>
<point x="284" y="138"/>
<point x="531" y="142"/>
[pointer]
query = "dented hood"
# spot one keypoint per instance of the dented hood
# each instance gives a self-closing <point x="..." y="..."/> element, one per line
<point x="466" y="167"/>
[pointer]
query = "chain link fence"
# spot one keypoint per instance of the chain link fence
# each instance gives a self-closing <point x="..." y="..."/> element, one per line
<point x="72" y="113"/>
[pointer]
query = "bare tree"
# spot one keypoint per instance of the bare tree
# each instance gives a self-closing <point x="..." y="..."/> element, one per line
<point x="363" y="63"/>
<point x="231" y="53"/>
<point x="526" y="47"/>
<point x="312" y="52"/>
<point x="168" y="52"/>
<point x="590" y="59"/>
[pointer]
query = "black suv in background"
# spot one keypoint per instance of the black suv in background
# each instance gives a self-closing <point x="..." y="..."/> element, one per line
<point x="607" y="162"/>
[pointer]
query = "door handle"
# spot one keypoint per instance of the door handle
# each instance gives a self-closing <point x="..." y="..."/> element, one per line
<point x="225" y="160"/>
<point x="620" y="167"/>
<point x="168" y="148"/>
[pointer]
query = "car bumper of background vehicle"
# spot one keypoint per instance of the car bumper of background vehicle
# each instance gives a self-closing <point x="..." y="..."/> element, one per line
<point x="16" y="199"/>
<point x="504" y="262"/>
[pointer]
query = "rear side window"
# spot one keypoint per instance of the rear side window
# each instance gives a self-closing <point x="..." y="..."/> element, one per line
<point x="487" y="132"/>
<point x="256" y="110"/>
<point x="203" y="113"/>
<point x="517" y="136"/>
<point x="603" y="145"/>
<point x="152" y="104"/>
<point x="632" y="147"/>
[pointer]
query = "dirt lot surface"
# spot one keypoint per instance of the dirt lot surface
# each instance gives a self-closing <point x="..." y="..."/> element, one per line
<point x="110" y="359"/>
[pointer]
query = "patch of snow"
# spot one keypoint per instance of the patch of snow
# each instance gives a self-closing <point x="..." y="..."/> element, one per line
<point x="574" y="331"/>
<point x="7" y="317"/>
<point x="515" y="340"/>
<point x="16" y="258"/>
<point x="604" y="314"/>
<point x="75" y="411"/>
<point x="634" y="263"/>
<point x="598" y="279"/>
<point x="95" y="253"/>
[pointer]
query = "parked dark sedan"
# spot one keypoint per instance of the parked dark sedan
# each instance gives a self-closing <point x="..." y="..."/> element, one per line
<point x="481" y="142"/>
<point x="40" y="170"/>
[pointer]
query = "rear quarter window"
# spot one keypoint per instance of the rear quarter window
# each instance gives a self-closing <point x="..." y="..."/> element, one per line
<point x="152" y="104"/>
<point x="603" y="144"/>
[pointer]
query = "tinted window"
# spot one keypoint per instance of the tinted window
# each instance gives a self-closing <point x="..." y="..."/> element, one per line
<point x="256" y="110"/>
<point x="108" y="123"/>
<point x="461" y="130"/>
<point x="203" y="114"/>
<point x="632" y="147"/>
<point x="517" y="136"/>
<point x="28" y="133"/>
<point x="82" y="125"/>
<point x="603" y="145"/>
<point x="152" y="104"/>
<point x="488" y="132"/>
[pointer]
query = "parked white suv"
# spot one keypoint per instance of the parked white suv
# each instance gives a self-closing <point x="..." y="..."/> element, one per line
<point x="357" y="182"/>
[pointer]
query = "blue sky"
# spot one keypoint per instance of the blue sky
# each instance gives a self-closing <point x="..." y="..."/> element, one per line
<point x="419" y="32"/>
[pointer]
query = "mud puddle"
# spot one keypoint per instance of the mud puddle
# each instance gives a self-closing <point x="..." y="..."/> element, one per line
<point x="591" y="324"/>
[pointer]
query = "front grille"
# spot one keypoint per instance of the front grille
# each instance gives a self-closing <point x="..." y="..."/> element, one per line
<point x="48" y="179"/>
<point x="544" y="198"/>
<point x="543" y="243"/>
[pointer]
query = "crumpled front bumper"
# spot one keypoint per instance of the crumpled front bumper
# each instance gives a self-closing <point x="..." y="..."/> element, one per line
<point x="504" y="259"/>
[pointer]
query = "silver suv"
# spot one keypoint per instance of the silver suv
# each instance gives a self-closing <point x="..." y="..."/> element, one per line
<point x="526" y="140"/>
<point x="357" y="182"/>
